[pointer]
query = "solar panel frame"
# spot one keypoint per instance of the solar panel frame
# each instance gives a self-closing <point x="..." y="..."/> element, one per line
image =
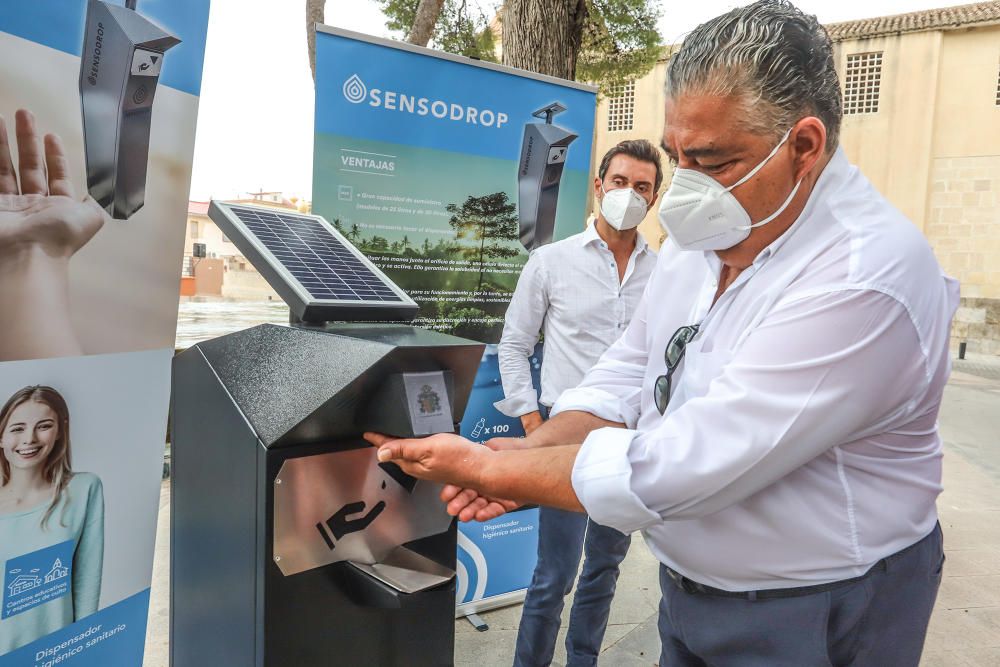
<point x="303" y="302"/>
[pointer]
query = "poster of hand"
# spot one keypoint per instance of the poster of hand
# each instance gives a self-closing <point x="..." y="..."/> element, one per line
<point x="43" y="223"/>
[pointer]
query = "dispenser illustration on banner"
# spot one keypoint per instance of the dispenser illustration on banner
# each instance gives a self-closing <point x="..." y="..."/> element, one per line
<point x="543" y="156"/>
<point x="122" y="57"/>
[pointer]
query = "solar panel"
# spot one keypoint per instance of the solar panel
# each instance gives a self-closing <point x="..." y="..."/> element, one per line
<point x="316" y="270"/>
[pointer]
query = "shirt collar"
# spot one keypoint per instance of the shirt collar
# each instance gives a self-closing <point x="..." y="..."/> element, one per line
<point x="590" y="236"/>
<point x="825" y="184"/>
<point x="832" y="173"/>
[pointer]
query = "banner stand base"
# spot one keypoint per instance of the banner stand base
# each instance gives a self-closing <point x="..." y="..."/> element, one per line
<point x="467" y="609"/>
<point x="477" y="622"/>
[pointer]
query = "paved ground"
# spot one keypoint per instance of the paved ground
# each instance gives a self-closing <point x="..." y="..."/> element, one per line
<point x="982" y="365"/>
<point x="965" y="628"/>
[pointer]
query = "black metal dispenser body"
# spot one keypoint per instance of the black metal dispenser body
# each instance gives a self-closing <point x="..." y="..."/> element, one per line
<point x="543" y="156"/>
<point x="120" y="66"/>
<point x="257" y="412"/>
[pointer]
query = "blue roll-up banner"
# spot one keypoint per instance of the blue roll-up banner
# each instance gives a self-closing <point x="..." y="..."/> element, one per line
<point x="98" y="104"/>
<point x="426" y="162"/>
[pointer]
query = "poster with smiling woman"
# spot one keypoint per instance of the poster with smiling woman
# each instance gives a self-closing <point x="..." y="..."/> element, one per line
<point x="53" y="511"/>
<point x="81" y="456"/>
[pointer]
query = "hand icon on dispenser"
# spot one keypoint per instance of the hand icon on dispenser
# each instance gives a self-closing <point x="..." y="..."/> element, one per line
<point x="339" y="525"/>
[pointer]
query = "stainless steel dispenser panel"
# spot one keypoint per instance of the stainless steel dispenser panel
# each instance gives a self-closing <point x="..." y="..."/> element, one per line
<point x="344" y="506"/>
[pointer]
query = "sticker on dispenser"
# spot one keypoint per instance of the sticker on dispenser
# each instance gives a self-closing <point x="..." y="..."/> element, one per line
<point x="146" y="63"/>
<point x="427" y="403"/>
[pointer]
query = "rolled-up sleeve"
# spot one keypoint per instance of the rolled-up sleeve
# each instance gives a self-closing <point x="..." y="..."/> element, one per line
<point x="612" y="389"/>
<point x="817" y="372"/>
<point x="602" y="480"/>
<point x="522" y="324"/>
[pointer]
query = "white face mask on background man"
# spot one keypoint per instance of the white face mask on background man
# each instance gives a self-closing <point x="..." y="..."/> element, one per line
<point x="699" y="213"/>
<point x="623" y="208"/>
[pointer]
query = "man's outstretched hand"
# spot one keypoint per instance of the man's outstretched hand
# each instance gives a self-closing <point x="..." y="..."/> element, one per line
<point x="469" y="505"/>
<point x="451" y="459"/>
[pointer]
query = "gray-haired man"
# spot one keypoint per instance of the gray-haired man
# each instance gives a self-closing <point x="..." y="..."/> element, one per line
<point x="768" y="419"/>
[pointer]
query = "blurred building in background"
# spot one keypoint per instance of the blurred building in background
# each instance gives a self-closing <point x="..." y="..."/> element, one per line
<point x="213" y="266"/>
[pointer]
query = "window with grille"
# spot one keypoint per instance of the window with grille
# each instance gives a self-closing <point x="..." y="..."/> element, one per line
<point x="862" y="80"/>
<point x="998" y="87"/>
<point x="621" y="107"/>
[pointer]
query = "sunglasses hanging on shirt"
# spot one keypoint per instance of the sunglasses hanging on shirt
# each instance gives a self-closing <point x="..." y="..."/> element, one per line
<point x="672" y="355"/>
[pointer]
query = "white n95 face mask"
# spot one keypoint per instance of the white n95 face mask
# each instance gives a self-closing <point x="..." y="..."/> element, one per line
<point x="623" y="208"/>
<point x="699" y="213"/>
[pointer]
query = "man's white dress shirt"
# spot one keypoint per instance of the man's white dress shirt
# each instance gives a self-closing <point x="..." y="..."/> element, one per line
<point x="800" y="444"/>
<point x="570" y="291"/>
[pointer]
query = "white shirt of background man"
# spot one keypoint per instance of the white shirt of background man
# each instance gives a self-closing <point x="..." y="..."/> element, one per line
<point x="569" y="291"/>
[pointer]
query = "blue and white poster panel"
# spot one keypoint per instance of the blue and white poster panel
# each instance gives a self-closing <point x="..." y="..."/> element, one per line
<point x="495" y="558"/>
<point x="98" y="103"/>
<point x="416" y="160"/>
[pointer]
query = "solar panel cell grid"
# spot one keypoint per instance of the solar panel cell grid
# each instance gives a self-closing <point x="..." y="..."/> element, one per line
<point x="326" y="268"/>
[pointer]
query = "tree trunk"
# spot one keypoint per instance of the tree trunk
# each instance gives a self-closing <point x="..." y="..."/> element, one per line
<point x="423" y="23"/>
<point x="315" y="13"/>
<point x="482" y="256"/>
<point x="543" y="35"/>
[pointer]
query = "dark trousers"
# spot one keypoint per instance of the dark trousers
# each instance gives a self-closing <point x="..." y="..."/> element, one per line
<point x="562" y="536"/>
<point x="879" y="620"/>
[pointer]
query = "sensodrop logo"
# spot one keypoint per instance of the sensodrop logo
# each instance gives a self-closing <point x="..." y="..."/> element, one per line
<point x="355" y="90"/>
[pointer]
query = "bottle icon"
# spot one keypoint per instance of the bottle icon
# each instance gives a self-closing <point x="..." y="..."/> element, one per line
<point x="480" y="425"/>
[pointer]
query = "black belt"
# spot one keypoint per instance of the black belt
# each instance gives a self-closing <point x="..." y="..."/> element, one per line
<point x="693" y="587"/>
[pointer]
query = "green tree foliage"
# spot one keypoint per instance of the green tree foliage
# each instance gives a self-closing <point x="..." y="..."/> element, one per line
<point x="460" y="28"/>
<point x="471" y="322"/>
<point x="619" y="40"/>
<point x="490" y="223"/>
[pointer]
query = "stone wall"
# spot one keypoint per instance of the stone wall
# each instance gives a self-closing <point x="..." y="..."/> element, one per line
<point x="964" y="230"/>
<point x="977" y="322"/>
